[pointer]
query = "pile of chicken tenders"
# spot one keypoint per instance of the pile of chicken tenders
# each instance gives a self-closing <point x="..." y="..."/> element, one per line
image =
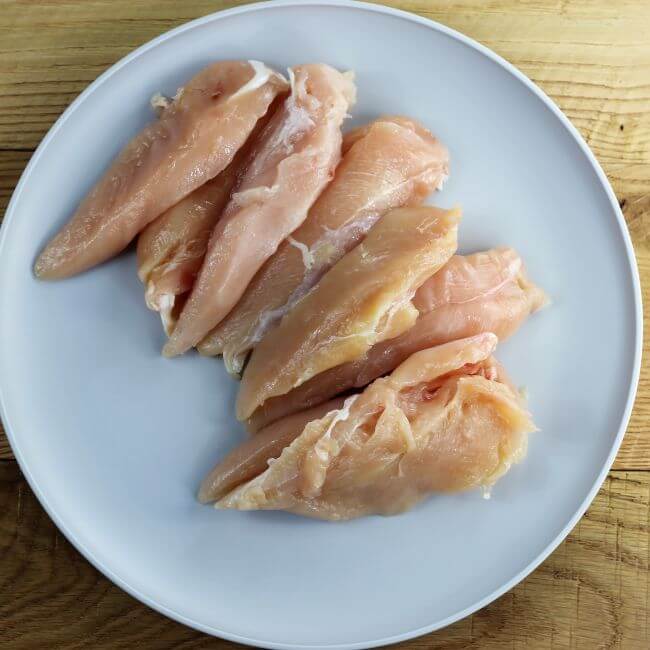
<point x="307" y="259"/>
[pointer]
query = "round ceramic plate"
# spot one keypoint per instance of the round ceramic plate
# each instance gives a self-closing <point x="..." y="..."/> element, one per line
<point x="114" y="439"/>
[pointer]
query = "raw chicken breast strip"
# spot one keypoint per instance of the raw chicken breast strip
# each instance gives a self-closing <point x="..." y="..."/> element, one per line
<point x="484" y="292"/>
<point x="446" y="420"/>
<point x="294" y="160"/>
<point x="251" y="457"/>
<point x="387" y="164"/>
<point x="195" y="138"/>
<point x="171" y="248"/>
<point x="363" y="299"/>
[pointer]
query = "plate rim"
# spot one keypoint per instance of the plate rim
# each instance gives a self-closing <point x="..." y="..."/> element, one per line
<point x="630" y="255"/>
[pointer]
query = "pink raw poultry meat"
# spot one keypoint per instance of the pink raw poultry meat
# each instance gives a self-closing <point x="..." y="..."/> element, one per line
<point x="363" y="299"/>
<point x="251" y="457"/>
<point x="294" y="161"/>
<point x="484" y="292"/>
<point x="446" y="420"/>
<point x="172" y="247"/>
<point x="195" y="138"/>
<point x="387" y="164"/>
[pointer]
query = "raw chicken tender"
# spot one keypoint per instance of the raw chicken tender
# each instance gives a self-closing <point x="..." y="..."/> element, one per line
<point x="389" y="163"/>
<point x="446" y="420"/>
<point x="484" y="292"/>
<point x="294" y="160"/>
<point x="171" y="248"/>
<point x="251" y="457"/>
<point x="364" y="299"/>
<point x="195" y="138"/>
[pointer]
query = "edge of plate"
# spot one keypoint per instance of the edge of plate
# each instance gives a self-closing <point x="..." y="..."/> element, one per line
<point x="638" y="343"/>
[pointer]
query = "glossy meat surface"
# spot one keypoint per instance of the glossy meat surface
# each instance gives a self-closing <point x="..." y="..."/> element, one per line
<point x="445" y="420"/>
<point x="194" y="139"/>
<point x="484" y="292"/>
<point x="294" y="160"/>
<point x="387" y="164"/>
<point x="365" y="298"/>
<point x="172" y="247"/>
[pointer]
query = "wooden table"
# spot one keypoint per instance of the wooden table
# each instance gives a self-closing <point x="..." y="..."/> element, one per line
<point x="593" y="58"/>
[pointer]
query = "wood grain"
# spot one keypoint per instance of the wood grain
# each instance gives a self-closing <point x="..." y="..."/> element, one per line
<point x="591" y="593"/>
<point x="583" y="54"/>
<point x="593" y="58"/>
